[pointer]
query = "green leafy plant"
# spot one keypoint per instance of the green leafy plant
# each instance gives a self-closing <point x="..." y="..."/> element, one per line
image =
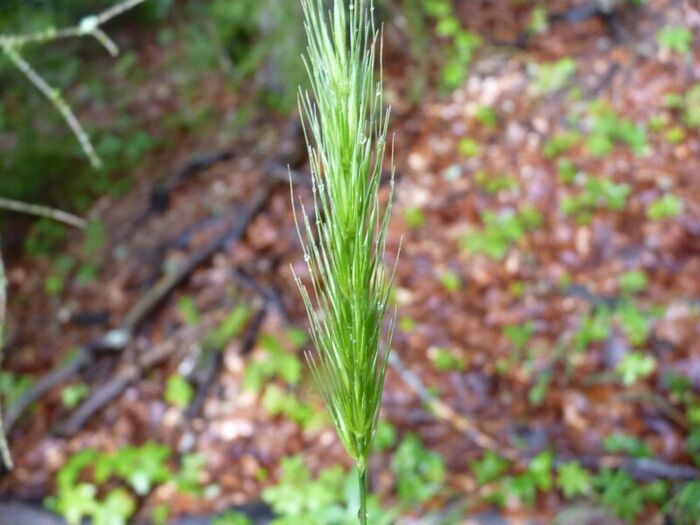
<point x="489" y="468"/>
<point x="444" y="359"/>
<point x="597" y="193"/>
<point x="420" y="473"/>
<point x="633" y="281"/>
<point x="685" y="505"/>
<point x="624" y="496"/>
<point x="607" y="129"/>
<point x="501" y="232"/>
<point x="560" y="143"/>
<point x="635" y="366"/>
<point x="178" y="391"/>
<point x="566" y="170"/>
<point x="88" y="474"/>
<point x="539" y="20"/>
<point x="493" y="184"/>
<point x="487" y="116"/>
<point x="72" y="395"/>
<point x="275" y="362"/>
<point x="346" y="127"/>
<point x="635" y="322"/>
<point x="620" y="443"/>
<point x="553" y="76"/>
<point x="594" y="327"/>
<point x="666" y="207"/>
<point x="462" y="44"/>
<point x="675" y="39"/>
<point x="414" y="218"/>
<point x="330" y="498"/>
<point x="689" y="105"/>
<point x="277" y="401"/>
<point x="468" y="147"/>
<point x="450" y="281"/>
<point x="573" y="479"/>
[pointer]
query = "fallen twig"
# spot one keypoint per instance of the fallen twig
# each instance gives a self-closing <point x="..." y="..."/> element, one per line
<point x="114" y="387"/>
<point x="642" y="469"/>
<point x="119" y="338"/>
<point x="42" y="211"/>
<point x="444" y="411"/>
<point x="214" y="359"/>
<point x="88" y="26"/>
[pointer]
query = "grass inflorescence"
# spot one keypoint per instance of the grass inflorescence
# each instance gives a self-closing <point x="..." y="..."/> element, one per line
<point x="344" y="239"/>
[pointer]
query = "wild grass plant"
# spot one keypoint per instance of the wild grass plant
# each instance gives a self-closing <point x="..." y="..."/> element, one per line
<point x="344" y="239"/>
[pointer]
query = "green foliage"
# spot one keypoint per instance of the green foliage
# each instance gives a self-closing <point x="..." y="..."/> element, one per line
<point x="667" y="207"/>
<point x="539" y="20"/>
<point x="597" y="193"/>
<point x="178" y="391"/>
<point x="560" y="143"/>
<point x="573" y="479"/>
<point x="674" y="135"/>
<point x="633" y="321"/>
<point x="633" y="281"/>
<point x="626" y="444"/>
<point x="540" y="470"/>
<point x="445" y="359"/>
<point x="263" y="40"/>
<point x="44" y="238"/>
<point x="276" y="362"/>
<point x="277" y="401"/>
<point x="80" y="481"/>
<point x="414" y="218"/>
<point x="231" y="327"/>
<point x="522" y="487"/>
<point x="12" y="386"/>
<point x="489" y="468"/>
<point x="691" y="107"/>
<point x="635" y="366"/>
<point x="386" y="436"/>
<point x="493" y="184"/>
<point x="501" y="232"/>
<point x="607" y="129"/>
<point x="566" y="170"/>
<point x="232" y="518"/>
<point x="519" y="335"/>
<point x="551" y="77"/>
<point x="188" y="310"/>
<point x="94" y="240"/>
<point x="487" y="116"/>
<point x="685" y="506"/>
<point x="540" y="389"/>
<point x="468" y="147"/>
<point x="329" y="499"/>
<point x="675" y="39"/>
<point x="450" y="281"/>
<point x="461" y="44"/>
<point x="420" y="473"/>
<point x="407" y="324"/>
<point x="623" y="496"/>
<point x="72" y="395"/>
<point x="594" y="327"/>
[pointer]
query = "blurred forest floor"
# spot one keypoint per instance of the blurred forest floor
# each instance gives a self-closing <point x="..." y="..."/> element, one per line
<point x="548" y="212"/>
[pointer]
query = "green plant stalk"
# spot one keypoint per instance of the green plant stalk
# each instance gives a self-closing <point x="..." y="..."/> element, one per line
<point x="362" y="475"/>
<point x="344" y="244"/>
